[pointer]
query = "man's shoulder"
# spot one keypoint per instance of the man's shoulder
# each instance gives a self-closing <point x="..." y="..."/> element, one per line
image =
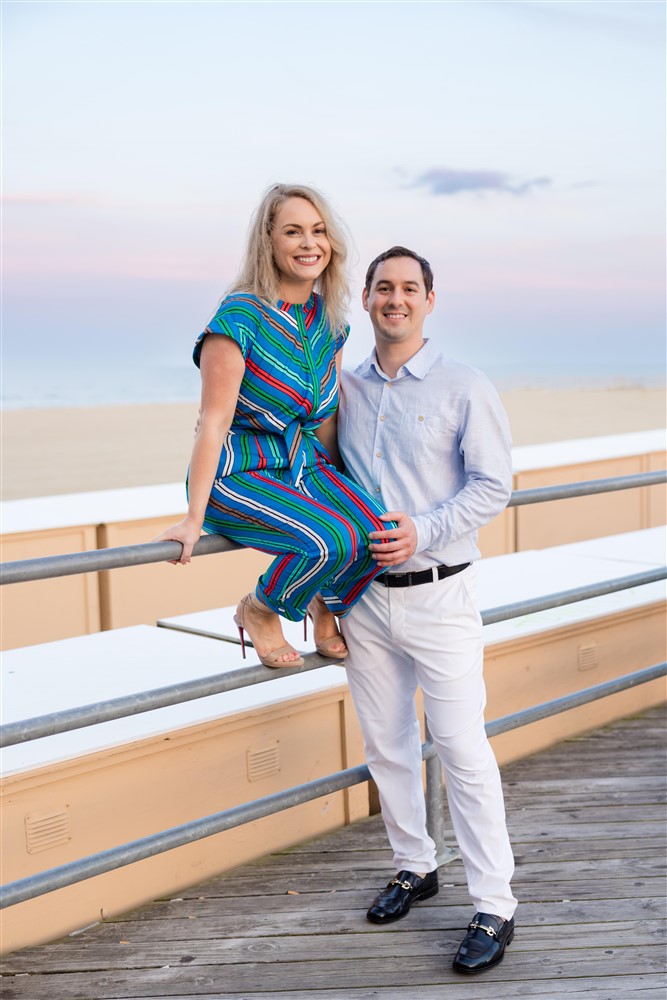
<point x="459" y="373"/>
<point x="352" y="376"/>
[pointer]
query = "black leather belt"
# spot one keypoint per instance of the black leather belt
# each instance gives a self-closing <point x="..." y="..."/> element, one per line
<point x="421" y="576"/>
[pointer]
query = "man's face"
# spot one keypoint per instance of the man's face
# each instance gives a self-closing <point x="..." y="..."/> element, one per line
<point x="397" y="302"/>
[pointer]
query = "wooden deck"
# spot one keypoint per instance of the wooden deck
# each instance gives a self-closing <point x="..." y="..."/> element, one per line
<point x="587" y="820"/>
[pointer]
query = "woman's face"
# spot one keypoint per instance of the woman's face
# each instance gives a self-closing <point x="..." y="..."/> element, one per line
<point x="301" y="248"/>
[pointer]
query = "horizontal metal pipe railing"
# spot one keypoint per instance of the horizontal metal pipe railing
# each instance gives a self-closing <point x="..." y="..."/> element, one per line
<point x="177" y="836"/>
<point x="569" y="701"/>
<point x="25" y="730"/>
<point x="73" y="563"/>
<point x="534" y="604"/>
<point x="589" y="487"/>
<point x="167" y="840"/>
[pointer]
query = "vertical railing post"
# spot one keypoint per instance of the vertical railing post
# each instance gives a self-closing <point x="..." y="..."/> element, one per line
<point x="435" y="805"/>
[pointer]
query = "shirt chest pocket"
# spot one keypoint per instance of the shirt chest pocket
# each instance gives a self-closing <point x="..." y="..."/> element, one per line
<point x="422" y="439"/>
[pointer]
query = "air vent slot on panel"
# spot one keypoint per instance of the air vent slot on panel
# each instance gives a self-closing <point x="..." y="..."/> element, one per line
<point x="263" y="762"/>
<point x="44" y="830"/>
<point x="587" y="656"/>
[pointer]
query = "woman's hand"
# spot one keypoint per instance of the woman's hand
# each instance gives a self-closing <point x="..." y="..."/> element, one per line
<point x="187" y="532"/>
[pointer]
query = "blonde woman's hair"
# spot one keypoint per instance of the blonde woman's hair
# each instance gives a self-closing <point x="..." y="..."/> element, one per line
<point x="259" y="274"/>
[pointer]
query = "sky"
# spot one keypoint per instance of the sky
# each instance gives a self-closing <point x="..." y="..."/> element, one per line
<point x="520" y="146"/>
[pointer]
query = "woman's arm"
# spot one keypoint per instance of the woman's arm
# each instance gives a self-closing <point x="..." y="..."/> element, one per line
<point x="327" y="432"/>
<point x="222" y="369"/>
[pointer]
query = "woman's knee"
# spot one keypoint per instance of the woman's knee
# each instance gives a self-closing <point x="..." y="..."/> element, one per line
<point x="338" y="545"/>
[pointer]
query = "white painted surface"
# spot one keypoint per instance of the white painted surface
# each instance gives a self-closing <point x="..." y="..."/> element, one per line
<point x="101" y="507"/>
<point x="648" y="547"/>
<point x="521" y="575"/>
<point x="581" y="450"/>
<point x="89" y="669"/>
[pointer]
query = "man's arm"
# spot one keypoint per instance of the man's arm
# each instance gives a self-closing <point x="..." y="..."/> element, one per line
<point x="485" y="449"/>
<point x="485" y="446"/>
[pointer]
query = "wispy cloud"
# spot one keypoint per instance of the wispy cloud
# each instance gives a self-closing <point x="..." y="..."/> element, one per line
<point x="443" y="181"/>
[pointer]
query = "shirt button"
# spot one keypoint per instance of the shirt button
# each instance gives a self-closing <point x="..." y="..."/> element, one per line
<point x="382" y="418"/>
<point x="377" y="489"/>
<point x="378" y="454"/>
<point x="420" y="418"/>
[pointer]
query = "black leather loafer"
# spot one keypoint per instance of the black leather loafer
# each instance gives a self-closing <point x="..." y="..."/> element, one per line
<point x="404" y="890"/>
<point x="484" y="944"/>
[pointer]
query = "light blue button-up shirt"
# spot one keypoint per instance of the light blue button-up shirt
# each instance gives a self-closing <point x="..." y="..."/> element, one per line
<point x="433" y="442"/>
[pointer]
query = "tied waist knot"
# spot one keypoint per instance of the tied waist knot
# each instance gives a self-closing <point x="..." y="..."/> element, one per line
<point x="297" y="437"/>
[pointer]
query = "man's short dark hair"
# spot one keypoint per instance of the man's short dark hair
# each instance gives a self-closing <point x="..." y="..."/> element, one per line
<point x="400" y="252"/>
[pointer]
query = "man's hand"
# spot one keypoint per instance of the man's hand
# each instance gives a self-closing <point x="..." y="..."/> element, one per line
<point x="394" y="545"/>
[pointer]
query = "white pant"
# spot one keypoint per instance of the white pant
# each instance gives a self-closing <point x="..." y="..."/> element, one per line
<point x="431" y="635"/>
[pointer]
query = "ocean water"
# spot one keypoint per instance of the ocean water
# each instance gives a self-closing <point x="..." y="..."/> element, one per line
<point x="105" y="385"/>
<point x="29" y="386"/>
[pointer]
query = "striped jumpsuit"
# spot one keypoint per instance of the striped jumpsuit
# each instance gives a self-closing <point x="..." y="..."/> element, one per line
<point x="275" y="488"/>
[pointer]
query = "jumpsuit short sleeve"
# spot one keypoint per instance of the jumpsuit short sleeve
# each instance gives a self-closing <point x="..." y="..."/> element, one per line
<point x="341" y="335"/>
<point x="235" y="318"/>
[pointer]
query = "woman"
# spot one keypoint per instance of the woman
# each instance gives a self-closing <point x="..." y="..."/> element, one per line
<point x="261" y="471"/>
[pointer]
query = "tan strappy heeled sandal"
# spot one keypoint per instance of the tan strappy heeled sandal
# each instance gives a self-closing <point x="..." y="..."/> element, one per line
<point x="325" y="647"/>
<point x="271" y="659"/>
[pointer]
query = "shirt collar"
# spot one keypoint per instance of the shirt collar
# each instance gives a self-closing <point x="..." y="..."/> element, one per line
<point x="418" y="365"/>
<point x="285" y="306"/>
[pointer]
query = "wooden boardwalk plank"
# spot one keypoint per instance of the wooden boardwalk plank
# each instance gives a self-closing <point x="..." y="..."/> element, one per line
<point x="581" y="989"/>
<point x="218" y="924"/>
<point x="123" y="954"/>
<point x="307" y="976"/>
<point x="588" y="825"/>
<point x="586" y="989"/>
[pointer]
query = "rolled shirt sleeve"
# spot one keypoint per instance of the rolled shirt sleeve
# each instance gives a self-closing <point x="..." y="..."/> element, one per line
<point x="486" y="462"/>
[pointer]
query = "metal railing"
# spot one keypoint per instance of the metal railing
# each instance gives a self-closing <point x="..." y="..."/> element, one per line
<point x="203" y="687"/>
<point x="72" y="563"/>
<point x="97" y="864"/>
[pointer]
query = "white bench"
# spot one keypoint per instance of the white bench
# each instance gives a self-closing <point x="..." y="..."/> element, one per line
<point x="517" y="577"/>
<point x="86" y="669"/>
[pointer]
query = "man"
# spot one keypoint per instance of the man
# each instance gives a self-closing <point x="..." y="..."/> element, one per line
<point x="429" y="437"/>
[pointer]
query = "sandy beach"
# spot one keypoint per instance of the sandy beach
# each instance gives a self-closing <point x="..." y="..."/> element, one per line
<point x="51" y="451"/>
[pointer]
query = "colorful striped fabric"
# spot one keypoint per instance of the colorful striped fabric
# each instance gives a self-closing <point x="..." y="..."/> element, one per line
<point x="289" y="386"/>
<point x="317" y="529"/>
<point x="275" y="488"/>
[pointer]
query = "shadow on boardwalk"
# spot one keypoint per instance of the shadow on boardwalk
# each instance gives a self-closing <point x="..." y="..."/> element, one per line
<point x="588" y="825"/>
